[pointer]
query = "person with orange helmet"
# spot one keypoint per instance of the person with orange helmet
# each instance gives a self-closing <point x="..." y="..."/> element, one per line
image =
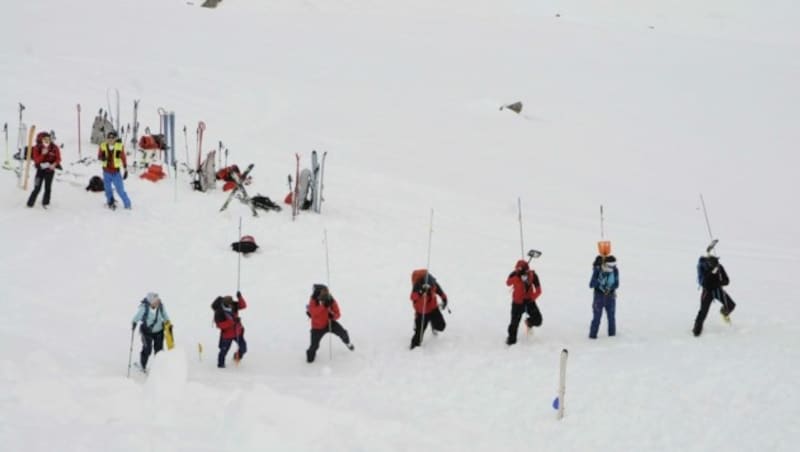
<point x="526" y="289"/>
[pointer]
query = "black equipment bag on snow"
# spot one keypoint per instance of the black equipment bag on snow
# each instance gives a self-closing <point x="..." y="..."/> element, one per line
<point x="246" y="245"/>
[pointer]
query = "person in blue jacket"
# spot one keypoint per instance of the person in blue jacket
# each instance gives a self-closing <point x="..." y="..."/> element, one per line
<point x="152" y="315"/>
<point x="605" y="281"/>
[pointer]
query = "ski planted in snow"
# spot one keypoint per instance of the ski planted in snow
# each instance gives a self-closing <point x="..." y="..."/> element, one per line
<point x="201" y="127"/>
<point x="296" y="193"/>
<point x="31" y="132"/>
<point x="6" y="163"/>
<point x="314" y="185"/>
<point x="562" y="382"/>
<point x="321" y="182"/>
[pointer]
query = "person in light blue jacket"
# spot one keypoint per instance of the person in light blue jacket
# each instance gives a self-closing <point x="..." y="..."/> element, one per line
<point x="152" y="315"/>
<point x="605" y="281"/>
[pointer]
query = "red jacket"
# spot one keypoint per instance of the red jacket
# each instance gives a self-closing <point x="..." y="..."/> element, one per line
<point x="52" y="156"/>
<point x="229" y="322"/>
<point x="524" y="291"/>
<point x="319" y="313"/>
<point x="426" y="302"/>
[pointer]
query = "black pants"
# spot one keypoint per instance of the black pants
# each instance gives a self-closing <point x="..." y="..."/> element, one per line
<point x="316" y="336"/>
<point x="435" y="318"/>
<point x="149" y="342"/>
<point x="225" y="345"/>
<point x="45" y="176"/>
<point x="706" y="297"/>
<point x="517" y="309"/>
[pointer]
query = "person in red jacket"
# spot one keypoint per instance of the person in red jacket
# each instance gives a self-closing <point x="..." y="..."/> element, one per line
<point x="226" y="316"/>
<point x="426" y="307"/>
<point x="526" y="289"/>
<point x="323" y="310"/>
<point x="47" y="158"/>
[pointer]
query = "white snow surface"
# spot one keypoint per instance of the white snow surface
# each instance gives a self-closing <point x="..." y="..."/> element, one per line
<point x="636" y="105"/>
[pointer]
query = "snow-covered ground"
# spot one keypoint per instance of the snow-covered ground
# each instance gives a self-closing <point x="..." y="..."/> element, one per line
<point x="636" y="105"/>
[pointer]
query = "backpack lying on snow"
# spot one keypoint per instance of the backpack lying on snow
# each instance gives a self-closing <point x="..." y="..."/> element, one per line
<point x="263" y="202"/>
<point x="95" y="184"/>
<point x="246" y="245"/>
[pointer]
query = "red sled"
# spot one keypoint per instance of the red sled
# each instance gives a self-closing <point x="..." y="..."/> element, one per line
<point x="154" y="173"/>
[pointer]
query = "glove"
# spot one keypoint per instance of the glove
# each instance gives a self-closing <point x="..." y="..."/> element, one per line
<point x="444" y="303"/>
<point x="133" y="326"/>
<point x="308" y="314"/>
<point x="238" y="294"/>
<point x="59" y="167"/>
<point x="45" y="165"/>
<point x="125" y="174"/>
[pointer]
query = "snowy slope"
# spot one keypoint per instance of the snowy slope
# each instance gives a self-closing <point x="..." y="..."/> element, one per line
<point x="405" y="97"/>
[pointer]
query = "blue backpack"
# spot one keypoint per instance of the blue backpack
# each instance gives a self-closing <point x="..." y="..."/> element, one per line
<point x="704" y="265"/>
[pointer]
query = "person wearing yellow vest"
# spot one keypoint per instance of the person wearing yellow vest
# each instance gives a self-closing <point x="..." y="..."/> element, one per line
<point x="112" y="155"/>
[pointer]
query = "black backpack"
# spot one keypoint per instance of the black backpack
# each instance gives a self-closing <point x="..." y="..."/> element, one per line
<point x="245" y="245"/>
<point x="144" y="327"/>
<point x="263" y="202"/>
<point x="95" y="184"/>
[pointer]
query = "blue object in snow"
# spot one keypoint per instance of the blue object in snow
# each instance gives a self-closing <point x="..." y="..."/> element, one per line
<point x="555" y="403"/>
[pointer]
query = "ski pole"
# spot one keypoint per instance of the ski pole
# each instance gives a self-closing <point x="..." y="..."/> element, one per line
<point x="186" y="144"/>
<point x="521" y="242"/>
<point x="135" y="139"/>
<point x="328" y="281"/>
<point x="108" y="105"/>
<point x="175" y="175"/>
<point x="427" y="280"/>
<point x="239" y="265"/>
<point x="79" y="131"/>
<point x="705" y="213"/>
<point x="21" y="131"/>
<point x="602" y="228"/>
<point x="603" y="246"/>
<point x="6" y="163"/>
<point x="117" y="118"/>
<point x="130" y="353"/>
